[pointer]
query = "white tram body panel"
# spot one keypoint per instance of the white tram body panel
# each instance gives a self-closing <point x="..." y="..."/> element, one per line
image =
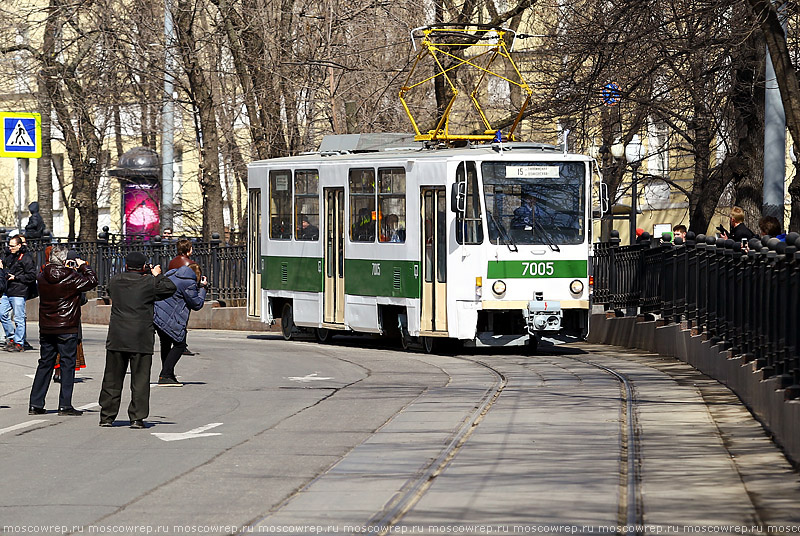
<point x="487" y="245"/>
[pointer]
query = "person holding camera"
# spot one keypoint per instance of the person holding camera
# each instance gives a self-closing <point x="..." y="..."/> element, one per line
<point x="739" y="231"/>
<point x="131" y="337"/>
<point x="60" y="288"/>
<point x="21" y="276"/>
<point x="183" y="258"/>
<point x="172" y="317"/>
<point x="80" y="358"/>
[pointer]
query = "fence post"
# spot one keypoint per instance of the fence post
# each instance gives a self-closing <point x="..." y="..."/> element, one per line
<point x="793" y="255"/>
<point x="215" y="265"/>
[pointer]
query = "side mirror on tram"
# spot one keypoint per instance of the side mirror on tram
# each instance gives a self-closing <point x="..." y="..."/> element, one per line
<point x="458" y="197"/>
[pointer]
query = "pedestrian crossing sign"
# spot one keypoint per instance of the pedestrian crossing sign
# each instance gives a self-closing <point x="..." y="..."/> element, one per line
<point x="21" y="134"/>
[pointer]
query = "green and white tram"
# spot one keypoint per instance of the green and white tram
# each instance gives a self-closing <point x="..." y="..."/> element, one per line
<point x="488" y="244"/>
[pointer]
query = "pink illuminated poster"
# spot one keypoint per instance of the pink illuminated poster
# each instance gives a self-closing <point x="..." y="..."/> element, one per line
<point x="141" y="209"/>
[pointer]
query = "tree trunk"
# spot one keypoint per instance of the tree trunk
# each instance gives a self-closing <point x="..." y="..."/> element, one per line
<point x="706" y="188"/>
<point x="200" y="91"/>
<point x="44" y="165"/>
<point x="747" y="164"/>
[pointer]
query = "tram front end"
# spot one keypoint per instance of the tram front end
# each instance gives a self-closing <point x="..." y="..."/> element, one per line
<point x="531" y="271"/>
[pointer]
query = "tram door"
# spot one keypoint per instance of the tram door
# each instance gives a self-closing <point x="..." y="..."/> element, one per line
<point x="254" y="253"/>
<point x="434" y="260"/>
<point x="334" y="256"/>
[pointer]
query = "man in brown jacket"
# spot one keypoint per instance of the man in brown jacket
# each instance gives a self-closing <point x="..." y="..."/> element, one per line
<point x="60" y="289"/>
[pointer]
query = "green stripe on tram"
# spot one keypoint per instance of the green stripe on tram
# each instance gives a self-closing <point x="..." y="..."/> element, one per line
<point x="537" y="269"/>
<point x="397" y="279"/>
<point x="291" y="273"/>
<point x="392" y="278"/>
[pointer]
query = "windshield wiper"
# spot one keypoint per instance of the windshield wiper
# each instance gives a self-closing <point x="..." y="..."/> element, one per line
<point x="502" y="230"/>
<point x="550" y="241"/>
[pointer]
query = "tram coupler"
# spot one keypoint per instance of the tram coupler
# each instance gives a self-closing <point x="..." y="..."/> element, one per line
<point x="543" y="315"/>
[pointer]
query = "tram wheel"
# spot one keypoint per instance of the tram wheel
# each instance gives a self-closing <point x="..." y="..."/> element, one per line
<point x="287" y="321"/>
<point x="533" y="344"/>
<point x="323" y="335"/>
<point x="428" y="344"/>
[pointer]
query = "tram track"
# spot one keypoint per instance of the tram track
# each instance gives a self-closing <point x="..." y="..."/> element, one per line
<point x="416" y="488"/>
<point x="399" y="510"/>
<point x="630" y="503"/>
<point x="630" y="511"/>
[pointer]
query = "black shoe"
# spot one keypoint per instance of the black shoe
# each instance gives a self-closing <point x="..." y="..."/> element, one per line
<point x="69" y="412"/>
<point x="169" y="381"/>
<point x="33" y="410"/>
<point x="188" y="352"/>
<point x="106" y="424"/>
<point x="138" y="424"/>
<point x="27" y="346"/>
<point x="56" y="378"/>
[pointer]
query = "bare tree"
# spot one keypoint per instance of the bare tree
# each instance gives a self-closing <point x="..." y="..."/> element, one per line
<point x="186" y="17"/>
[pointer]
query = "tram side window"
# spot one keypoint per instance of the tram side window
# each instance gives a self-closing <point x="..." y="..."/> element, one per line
<point x="306" y="204"/>
<point x="280" y="205"/>
<point x="392" y="204"/>
<point x="362" y="205"/>
<point x="469" y="225"/>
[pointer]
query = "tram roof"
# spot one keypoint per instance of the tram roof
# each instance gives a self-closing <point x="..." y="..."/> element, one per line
<point x="507" y="150"/>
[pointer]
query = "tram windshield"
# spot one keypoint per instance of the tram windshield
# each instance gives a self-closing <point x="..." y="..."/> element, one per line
<point x="535" y="202"/>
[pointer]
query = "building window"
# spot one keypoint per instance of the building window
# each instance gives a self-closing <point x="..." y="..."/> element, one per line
<point x="306" y="204"/>
<point x="362" y="205"/>
<point x="392" y="204"/>
<point x="280" y="205"/>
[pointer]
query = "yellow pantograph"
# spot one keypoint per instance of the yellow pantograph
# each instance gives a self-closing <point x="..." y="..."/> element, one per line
<point x="441" y="43"/>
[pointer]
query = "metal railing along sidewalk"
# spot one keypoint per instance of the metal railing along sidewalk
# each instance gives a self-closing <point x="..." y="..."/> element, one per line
<point x="748" y="301"/>
<point x="225" y="265"/>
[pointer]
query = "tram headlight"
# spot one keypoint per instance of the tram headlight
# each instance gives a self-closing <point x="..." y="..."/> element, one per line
<point x="576" y="287"/>
<point x="499" y="287"/>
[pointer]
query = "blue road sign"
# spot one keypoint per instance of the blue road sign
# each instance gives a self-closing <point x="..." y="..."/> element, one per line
<point x="21" y="134"/>
<point x="611" y="94"/>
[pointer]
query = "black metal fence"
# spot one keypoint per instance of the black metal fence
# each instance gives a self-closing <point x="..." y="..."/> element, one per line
<point x="748" y="301"/>
<point x="225" y="265"/>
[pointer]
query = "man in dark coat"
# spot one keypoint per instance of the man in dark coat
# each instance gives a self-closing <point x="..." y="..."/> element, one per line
<point x="20" y="276"/>
<point x="35" y="227"/>
<point x="60" y="289"/>
<point x="131" y="336"/>
<point x="739" y="230"/>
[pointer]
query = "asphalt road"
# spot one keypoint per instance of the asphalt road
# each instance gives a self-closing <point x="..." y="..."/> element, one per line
<point x="274" y="437"/>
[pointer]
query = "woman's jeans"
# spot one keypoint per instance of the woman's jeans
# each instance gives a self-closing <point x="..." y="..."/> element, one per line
<point x="17" y="327"/>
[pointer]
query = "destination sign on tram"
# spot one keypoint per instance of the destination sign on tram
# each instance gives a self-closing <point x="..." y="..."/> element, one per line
<point x="533" y="172"/>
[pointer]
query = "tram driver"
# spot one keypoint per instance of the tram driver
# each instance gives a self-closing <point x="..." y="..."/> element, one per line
<point x="523" y="216"/>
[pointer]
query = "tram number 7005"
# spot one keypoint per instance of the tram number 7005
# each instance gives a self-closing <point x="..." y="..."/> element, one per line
<point x="534" y="269"/>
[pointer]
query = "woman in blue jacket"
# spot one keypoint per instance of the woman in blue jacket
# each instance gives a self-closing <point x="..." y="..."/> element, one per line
<point x="172" y="315"/>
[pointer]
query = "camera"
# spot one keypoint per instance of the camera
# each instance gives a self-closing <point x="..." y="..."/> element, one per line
<point x="71" y="263"/>
<point x="147" y="268"/>
<point x="722" y="229"/>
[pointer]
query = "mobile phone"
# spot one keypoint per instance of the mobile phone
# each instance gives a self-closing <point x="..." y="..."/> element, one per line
<point x="744" y="242"/>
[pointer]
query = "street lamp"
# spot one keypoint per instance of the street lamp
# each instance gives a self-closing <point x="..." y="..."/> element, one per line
<point x="633" y="154"/>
